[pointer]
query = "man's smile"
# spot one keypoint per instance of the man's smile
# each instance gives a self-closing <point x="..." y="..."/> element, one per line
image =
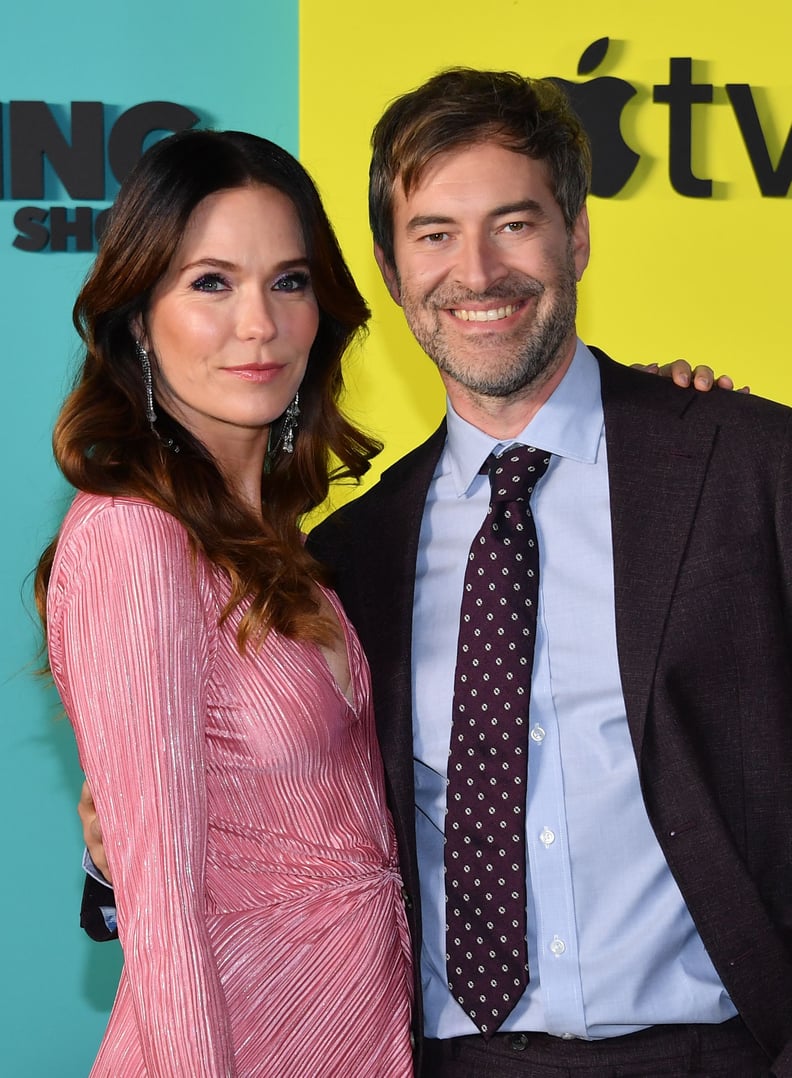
<point x="493" y="314"/>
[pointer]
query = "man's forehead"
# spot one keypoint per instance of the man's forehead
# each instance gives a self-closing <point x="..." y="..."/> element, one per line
<point x="495" y="167"/>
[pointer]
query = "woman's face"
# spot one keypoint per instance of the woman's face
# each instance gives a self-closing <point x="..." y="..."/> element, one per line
<point x="230" y="325"/>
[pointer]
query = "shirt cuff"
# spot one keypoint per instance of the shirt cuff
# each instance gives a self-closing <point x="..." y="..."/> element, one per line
<point x="93" y="871"/>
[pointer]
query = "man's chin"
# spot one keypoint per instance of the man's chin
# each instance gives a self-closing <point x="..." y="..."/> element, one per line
<point x="494" y="387"/>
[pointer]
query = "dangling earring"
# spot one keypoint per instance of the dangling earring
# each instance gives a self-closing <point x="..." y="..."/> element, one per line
<point x="148" y="386"/>
<point x="290" y="424"/>
<point x="148" y="383"/>
<point x="285" y="439"/>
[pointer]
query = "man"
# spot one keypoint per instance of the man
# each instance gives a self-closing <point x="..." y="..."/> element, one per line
<point x="658" y="822"/>
<point x="659" y="759"/>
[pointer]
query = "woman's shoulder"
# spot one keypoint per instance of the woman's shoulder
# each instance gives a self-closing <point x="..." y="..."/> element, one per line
<point x="129" y="519"/>
<point x="101" y="534"/>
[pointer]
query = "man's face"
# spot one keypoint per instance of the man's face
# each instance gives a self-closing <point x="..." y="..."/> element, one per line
<point x="486" y="270"/>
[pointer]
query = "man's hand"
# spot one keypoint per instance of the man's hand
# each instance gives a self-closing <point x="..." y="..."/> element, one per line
<point x="92" y="831"/>
<point x="700" y="377"/>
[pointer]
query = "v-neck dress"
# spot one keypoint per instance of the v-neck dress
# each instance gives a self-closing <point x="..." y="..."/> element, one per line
<point x="243" y="812"/>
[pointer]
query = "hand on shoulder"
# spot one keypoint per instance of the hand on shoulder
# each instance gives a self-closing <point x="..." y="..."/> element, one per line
<point x="682" y="374"/>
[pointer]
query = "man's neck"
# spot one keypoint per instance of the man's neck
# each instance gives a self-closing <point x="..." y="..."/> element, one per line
<point x="506" y="417"/>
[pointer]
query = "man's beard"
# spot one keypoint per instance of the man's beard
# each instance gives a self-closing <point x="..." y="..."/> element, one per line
<point x="504" y="364"/>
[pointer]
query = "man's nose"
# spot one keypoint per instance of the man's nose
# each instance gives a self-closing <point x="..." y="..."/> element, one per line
<point x="480" y="264"/>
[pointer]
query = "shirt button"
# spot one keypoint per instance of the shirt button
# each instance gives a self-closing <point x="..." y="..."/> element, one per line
<point x="567" y="1036"/>
<point x="557" y="946"/>
<point x="547" y="837"/>
<point x="538" y="733"/>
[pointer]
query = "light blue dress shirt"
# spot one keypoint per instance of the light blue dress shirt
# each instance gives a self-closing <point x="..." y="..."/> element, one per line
<point x="611" y="945"/>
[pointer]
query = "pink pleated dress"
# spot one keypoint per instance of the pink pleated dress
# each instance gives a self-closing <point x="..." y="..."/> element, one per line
<point x="243" y="810"/>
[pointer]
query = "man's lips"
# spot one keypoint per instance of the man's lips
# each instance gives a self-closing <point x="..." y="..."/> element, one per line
<point x="490" y="314"/>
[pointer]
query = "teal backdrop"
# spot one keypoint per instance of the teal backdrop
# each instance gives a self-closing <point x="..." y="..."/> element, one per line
<point x="235" y="66"/>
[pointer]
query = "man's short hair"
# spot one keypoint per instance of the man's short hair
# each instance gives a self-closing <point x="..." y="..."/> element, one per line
<point x="461" y="107"/>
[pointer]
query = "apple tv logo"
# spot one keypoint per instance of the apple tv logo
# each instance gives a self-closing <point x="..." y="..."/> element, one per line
<point x="599" y="105"/>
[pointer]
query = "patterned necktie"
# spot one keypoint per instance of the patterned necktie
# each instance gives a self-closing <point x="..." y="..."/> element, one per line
<point x="486" y="947"/>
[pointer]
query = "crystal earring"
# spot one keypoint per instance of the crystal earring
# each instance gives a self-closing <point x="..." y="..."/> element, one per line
<point x="290" y="424"/>
<point x="148" y="384"/>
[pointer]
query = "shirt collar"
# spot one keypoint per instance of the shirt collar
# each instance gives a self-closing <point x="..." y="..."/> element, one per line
<point x="568" y="424"/>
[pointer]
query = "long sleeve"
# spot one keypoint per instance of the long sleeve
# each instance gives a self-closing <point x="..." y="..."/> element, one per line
<point x="131" y="636"/>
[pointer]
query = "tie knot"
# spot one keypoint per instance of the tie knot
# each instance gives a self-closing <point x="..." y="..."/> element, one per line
<point x="515" y="473"/>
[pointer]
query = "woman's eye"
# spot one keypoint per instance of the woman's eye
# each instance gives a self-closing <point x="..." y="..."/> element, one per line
<point x="292" y="282"/>
<point x="210" y="282"/>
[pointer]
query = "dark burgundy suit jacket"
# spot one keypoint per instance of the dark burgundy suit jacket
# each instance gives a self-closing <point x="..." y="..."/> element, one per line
<point x="701" y="505"/>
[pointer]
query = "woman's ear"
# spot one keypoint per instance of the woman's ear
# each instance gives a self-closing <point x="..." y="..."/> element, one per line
<point x="138" y="331"/>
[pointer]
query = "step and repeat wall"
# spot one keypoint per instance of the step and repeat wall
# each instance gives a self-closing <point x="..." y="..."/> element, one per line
<point x="689" y="109"/>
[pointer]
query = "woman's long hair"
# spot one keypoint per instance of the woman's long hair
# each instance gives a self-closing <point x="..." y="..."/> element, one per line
<point x="103" y="442"/>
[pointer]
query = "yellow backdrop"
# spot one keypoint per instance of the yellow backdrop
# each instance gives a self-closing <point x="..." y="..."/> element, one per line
<point x="670" y="275"/>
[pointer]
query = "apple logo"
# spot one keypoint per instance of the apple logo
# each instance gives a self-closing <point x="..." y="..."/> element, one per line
<point x="599" y="105"/>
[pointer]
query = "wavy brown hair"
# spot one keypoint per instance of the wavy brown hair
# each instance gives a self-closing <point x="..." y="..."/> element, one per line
<point x="103" y="442"/>
<point x="460" y="107"/>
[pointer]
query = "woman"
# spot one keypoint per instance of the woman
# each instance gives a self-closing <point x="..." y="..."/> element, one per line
<point x="219" y="697"/>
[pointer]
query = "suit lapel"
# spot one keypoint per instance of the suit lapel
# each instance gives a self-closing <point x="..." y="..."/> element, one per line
<point x="386" y="595"/>
<point x="656" y="471"/>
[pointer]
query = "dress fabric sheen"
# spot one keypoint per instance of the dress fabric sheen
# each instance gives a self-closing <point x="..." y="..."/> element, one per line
<point x="243" y="809"/>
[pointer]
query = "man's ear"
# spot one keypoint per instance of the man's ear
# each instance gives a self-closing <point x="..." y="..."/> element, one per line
<point x="581" y="242"/>
<point x="389" y="274"/>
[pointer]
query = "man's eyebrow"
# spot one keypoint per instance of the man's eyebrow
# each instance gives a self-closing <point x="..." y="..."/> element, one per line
<point x="427" y="221"/>
<point x="525" y="205"/>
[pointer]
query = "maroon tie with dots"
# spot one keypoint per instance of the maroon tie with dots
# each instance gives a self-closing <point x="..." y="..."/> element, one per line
<point x="486" y="946"/>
